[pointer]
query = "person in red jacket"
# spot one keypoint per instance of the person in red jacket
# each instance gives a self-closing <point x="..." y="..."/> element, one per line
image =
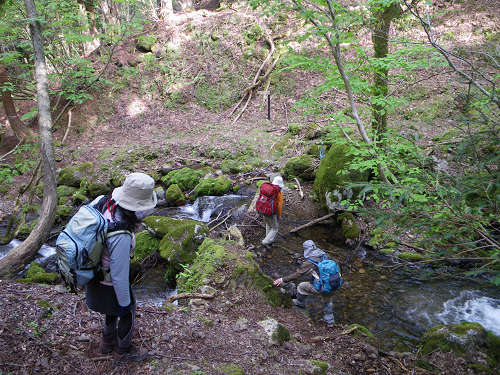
<point x="272" y="221"/>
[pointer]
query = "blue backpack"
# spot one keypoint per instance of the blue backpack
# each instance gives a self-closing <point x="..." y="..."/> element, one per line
<point x="79" y="246"/>
<point x="330" y="278"/>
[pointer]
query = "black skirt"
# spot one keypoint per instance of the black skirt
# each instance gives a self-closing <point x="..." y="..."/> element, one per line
<point x="102" y="298"/>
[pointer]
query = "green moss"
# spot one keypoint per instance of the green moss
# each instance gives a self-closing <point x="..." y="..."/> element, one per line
<point x="281" y="335"/>
<point x="63" y="212"/>
<point x="179" y="241"/>
<point x="72" y="176"/>
<point x="145" y="245"/>
<point x="231" y="369"/>
<point x="211" y="186"/>
<point x="253" y="33"/>
<point x="294" y="129"/>
<point x="26" y="229"/>
<point x="411" y="257"/>
<point x="493" y="345"/>
<point x="185" y="178"/>
<point x="65" y="191"/>
<point x="300" y="166"/>
<point x="234" y="166"/>
<point x="79" y="197"/>
<point x="314" y="150"/>
<point x="281" y="146"/>
<point x="458" y="338"/>
<point x="387" y="251"/>
<point x="174" y="195"/>
<point x="36" y="274"/>
<point x="360" y="330"/>
<point x="145" y="42"/>
<point x="98" y="188"/>
<point x="328" y="177"/>
<point x="208" y="258"/>
<point x="249" y="274"/>
<point x="350" y="227"/>
<point x="45" y="304"/>
<point x="320" y="367"/>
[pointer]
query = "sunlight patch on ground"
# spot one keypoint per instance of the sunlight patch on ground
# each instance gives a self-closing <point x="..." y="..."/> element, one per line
<point x="136" y="107"/>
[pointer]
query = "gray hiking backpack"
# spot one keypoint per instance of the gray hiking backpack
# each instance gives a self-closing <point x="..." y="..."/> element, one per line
<point x="79" y="246"/>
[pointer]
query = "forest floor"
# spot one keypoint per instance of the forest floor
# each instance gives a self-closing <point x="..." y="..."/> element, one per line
<point x="44" y="329"/>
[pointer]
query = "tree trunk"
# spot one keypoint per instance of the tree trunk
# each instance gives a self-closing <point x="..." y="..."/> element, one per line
<point x="166" y="8"/>
<point x="111" y="12"/>
<point x="87" y="12"/>
<point x="18" y="127"/>
<point x="15" y="260"/>
<point x="380" y="39"/>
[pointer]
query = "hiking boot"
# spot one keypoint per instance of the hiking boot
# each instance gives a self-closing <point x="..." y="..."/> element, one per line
<point x="107" y="344"/>
<point x="300" y="300"/>
<point x="130" y="354"/>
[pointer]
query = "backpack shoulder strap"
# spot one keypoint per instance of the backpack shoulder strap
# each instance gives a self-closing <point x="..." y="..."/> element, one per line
<point x="122" y="231"/>
<point x="312" y="261"/>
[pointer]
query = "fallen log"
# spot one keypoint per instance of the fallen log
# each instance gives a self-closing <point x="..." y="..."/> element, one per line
<point x="189" y="295"/>
<point x="311" y="223"/>
<point x="300" y="188"/>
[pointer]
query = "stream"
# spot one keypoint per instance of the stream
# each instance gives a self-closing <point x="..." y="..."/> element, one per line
<point x="397" y="307"/>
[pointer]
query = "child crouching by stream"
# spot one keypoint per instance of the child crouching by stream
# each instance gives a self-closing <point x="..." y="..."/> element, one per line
<point x="315" y="260"/>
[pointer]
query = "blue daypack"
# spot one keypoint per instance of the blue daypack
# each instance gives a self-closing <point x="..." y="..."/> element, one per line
<point x="330" y="278"/>
<point x="79" y="246"/>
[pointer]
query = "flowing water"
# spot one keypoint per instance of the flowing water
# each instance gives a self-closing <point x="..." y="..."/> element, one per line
<point x="394" y="305"/>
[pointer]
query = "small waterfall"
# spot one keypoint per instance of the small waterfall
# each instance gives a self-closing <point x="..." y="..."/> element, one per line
<point x="471" y="306"/>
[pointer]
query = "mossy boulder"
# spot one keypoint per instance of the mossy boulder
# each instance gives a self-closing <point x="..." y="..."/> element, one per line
<point x="98" y="188"/>
<point x="359" y="330"/>
<point x="300" y="166"/>
<point x="350" y="227"/>
<point x="329" y="182"/>
<point x="79" y="197"/>
<point x="248" y="274"/>
<point x="179" y="241"/>
<point x="235" y="166"/>
<point x="212" y="186"/>
<point x="463" y="339"/>
<point x="185" y="178"/>
<point x="319" y="367"/>
<point x="36" y="274"/>
<point x="174" y="195"/>
<point x="72" y="176"/>
<point x="276" y="332"/>
<point x="145" y="245"/>
<point x="208" y="258"/>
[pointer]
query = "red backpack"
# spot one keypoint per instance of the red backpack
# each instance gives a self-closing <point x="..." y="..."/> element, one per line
<point x="267" y="204"/>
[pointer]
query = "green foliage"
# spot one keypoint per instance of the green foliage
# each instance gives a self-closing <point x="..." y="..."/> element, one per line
<point x="185" y="178"/>
<point x="207" y="259"/>
<point x="36" y="274"/>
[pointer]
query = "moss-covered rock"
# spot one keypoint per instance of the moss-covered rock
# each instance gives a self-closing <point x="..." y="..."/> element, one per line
<point x="359" y="330"/>
<point x="72" y="176"/>
<point x="248" y="274"/>
<point x="300" y="166"/>
<point x="275" y="331"/>
<point x="145" y="245"/>
<point x="36" y="274"/>
<point x="234" y="166"/>
<point x="350" y="227"/>
<point x="208" y="258"/>
<point x="79" y="197"/>
<point x="463" y="339"/>
<point x="185" y="178"/>
<point x="282" y="145"/>
<point x="174" y="195"/>
<point x="328" y="180"/>
<point x="211" y="186"/>
<point x="98" y="188"/>
<point x="179" y="241"/>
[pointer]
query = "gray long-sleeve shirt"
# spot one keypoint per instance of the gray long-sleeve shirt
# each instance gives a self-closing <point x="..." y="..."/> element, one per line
<point x="119" y="266"/>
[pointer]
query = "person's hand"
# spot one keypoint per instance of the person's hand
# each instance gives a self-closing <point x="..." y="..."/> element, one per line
<point x="117" y="225"/>
<point x="278" y="282"/>
<point x="124" y="310"/>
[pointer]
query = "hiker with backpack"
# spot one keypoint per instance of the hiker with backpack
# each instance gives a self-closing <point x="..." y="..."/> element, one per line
<point x="269" y="205"/>
<point x="111" y="294"/>
<point x="326" y="278"/>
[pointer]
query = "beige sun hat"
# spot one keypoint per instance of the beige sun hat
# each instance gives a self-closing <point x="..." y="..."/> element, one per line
<point x="137" y="193"/>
